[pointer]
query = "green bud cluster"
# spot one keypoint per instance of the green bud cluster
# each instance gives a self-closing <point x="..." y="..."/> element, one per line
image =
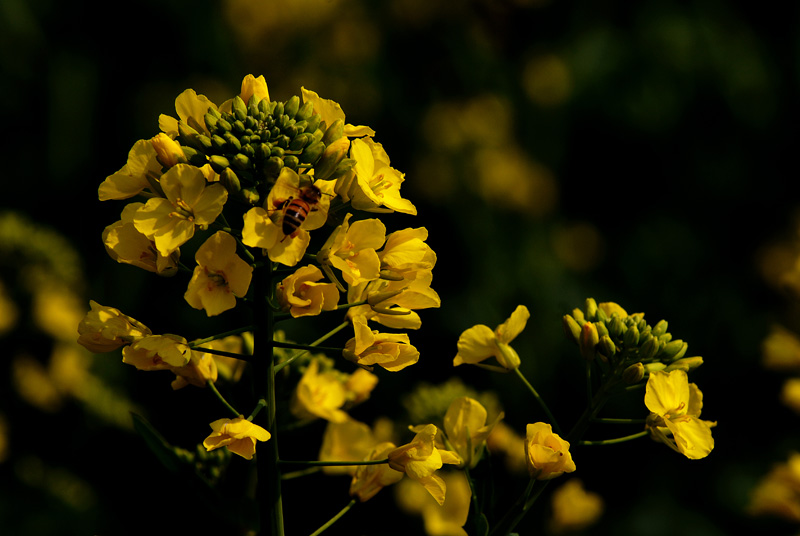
<point x="251" y="144"/>
<point x="627" y="340"/>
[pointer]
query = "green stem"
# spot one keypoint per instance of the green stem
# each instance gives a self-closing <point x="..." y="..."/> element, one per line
<point x="334" y="519"/>
<point x="318" y="463"/>
<point x="268" y="469"/>
<point x="541" y="402"/>
<point x="615" y="440"/>
<point x="619" y="421"/>
<point x="236" y="331"/>
<point x="223" y="353"/>
<point x="221" y="398"/>
<point x="314" y="344"/>
<point x="301" y="472"/>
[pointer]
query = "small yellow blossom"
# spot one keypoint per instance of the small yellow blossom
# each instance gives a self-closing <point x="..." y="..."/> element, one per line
<point x="132" y="178"/>
<point x="347" y="441"/>
<point x="447" y="519"/>
<point x="574" y="508"/>
<point x="200" y="369"/>
<point x="125" y="244"/>
<point x="239" y="435"/>
<point x="790" y="394"/>
<point x="303" y="295"/>
<point x="507" y="442"/>
<point x="420" y="459"/>
<point x="675" y="406"/>
<point x="157" y="352"/>
<point x="547" y="454"/>
<point x="406" y="253"/>
<point x="392" y="351"/>
<point x="479" y="342"/>
<point x="191" y="109"/>
<point x="352" y="249"/>
<point x="373" y="185"/>
<point x="331" y="111"/>
<point x="778" y="493"/>
<point x="168" y="151"/>
<point x="219" y="277"/>
<point x="781" y="350"/>
<point x="370" y="479"/>
<point x="466" y="429"/>
<point x="190" y="203"/>
<point x="359" y="386"/>
<point x="319" y="395"/>
<point x="104" y="329"/>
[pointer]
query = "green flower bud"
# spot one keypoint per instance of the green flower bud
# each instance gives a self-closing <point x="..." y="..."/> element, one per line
<point x="305" y="111"/>
<point x="633" y="374"/>
<point x="194" y="157"/>
<point x="588" y="341"/>
<point x="606" y="347"/>
<point x="299" y="142"/>
<point x="250" y="195"/>
<point x="278" y="110"/>
<point x="241" y="161"/>
<point x="248" y="151"/>
<point x="591" y="309"/>
<point x="571" y="328"/>
<point x="230" y="181"/>
<point x="262" y="151"/>
<point x="238" y="127"/>
<point x="218" y="162"/>
<point x="291" y="162"/>
<point x="312" y="153"/>
<point x="234" y="144"/>
<point x="278" y="151"/>
<point x="601" y="327"/>
<point x="577" y="314"/>
<point x="264" y="107"/>
<point x="218" y="142"/>
<point x="239" y="108"/>
<point x="660" y="328"/>
<point x="211" y="121"/>
<point x="313" y="123"/>
<point x="616" y="328"/>
<point x="292" y="106"/>
<point x="648" y="348"/>
<point x="273" y="166"/>
<point x="331" y="158"/>
<point x="343" y="167"/>
<point x="223" y="125"/>
<point x="654" y="367"/>
<point x="334" y="132"/>
<point x="673" y="350"/>
<point x="685" y="364"/>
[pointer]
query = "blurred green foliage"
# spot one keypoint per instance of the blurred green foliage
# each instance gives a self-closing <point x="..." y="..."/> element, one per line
<point x="638" y="153"/>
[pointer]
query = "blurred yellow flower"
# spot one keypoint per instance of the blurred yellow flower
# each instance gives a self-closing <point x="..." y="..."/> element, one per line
<point x="447" y="519"/>
<point x="778" y="493"/>
<point x="239" y="435"/>
<point x="104" y="329"/>
<point x="547" y="454"/>
<point x="319" y="395"/>
<point x="370" y="479"/>
<point x="219" y="277"/>
<point x="190" y="203"/>
<point x="8" y="311"/>
<point x="780" y="350"/>
<point x="125" y="244"/>
<point x="506" y="441"/>
<point x="675" y="406"/>
<point x="303" y="295"/>
<point x="420" y="459"/>
<point x="346" y="441"/>
<point x="574" y="508"/>
<point x="479" y="343"/>
<point x="132" y="178"/>
<point x="790" y="394"/>
<point x="466" y="429"/>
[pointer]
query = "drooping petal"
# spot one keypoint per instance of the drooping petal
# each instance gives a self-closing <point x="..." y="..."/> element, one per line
<point x="475" y="344"/>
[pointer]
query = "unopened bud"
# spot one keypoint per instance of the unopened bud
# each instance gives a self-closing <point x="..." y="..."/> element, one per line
<point x="291" y="106"/>
<point x="660" y="328"/>
<point x="571" y="328"/>
<point x="589" y="340"/>
<point x="606" y="346"/>
<point x="601" y="328"/>
<point x="591" y="309"/>
<point x="616" y="328"/>
<point x="241" y="161"/>
<point x="250" y="195"/>
<point x="654" y="367"/>
<point x="239" y="108"/>
<point x="331" y="157"/>
<point x="648" y="348"/>
<point x="685" y="364"/>
<point x="633" y="374"/>
<point x="218" y="162"/>
<point x="334" y="132"/>
<point x="230" y="181"/>
<point x="673" y="350"/>
<point x="631" y="337"/>
<point x="305" y="111"/>
<point x="577" y="314"/>
<point x="378" y="297"/>
<point x="168" y="151"/>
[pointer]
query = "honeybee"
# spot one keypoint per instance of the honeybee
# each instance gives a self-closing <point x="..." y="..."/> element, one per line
<point x="295" y="210"/>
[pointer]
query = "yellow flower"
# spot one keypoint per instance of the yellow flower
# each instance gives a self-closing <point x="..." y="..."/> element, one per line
<point x="132" y="178"/>
<point x="675" y="406"/>
<point x="403" y="298"/>
<point x="239" y="435"/>
<point x="157" y="352"/>
<point x="191" y="109"/>
<point x="251" y="86"/>
<point x="406" y="253"/>
<point x="373" y="185"/>
<point x="547" y="454"/>
<point x="198" y="371"/>
<point x="219" y="277"/>
<point x="574" y="508"/>
<point x="510" y="444"/>
<point x="303" y="295"/>
<point x="104" y="329"/>
<point x="480" y="342"/>
<point x="319" y="395"/>
<point x="778" y="493"/>
<point x="125" y="244"/>
<point x="231" y="368"/>
<point x="370" y="479"/>
<point x="352" y="249"/>
<point x="445" y="520"/>
<point x="171" y="222"/>
<point x="781" y="350"/>
<point x="346" y="441"/>
<point x="331" y="111"/>
<point x="168" y="151"/>
<point x="392" y="351"/>
<point x="466" y="429"/>
<point x="420" y="459"/>
<point x="790" y="394"/>
<point x="359" y="386"/>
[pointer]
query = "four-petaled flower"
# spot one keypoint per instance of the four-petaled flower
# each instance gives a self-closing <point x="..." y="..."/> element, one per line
<point x="219" y="277"/>
<point x="480" y="342"/>
<point x="239" y="435"/>
<point x="675" y="406"/>
<point x="351" y="249"/>
<point x="303" y="294"/>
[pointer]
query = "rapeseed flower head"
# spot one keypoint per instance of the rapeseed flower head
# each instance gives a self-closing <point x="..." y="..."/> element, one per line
<point x="239" y="435"/>
<point x="479" y="343"/>
<point x="189" y="203"/>
<point x="675" y="406"/>
<point x="547" y="454"/>
<point x="302" y="293"/>
<point x="125" y="244"/>
<point x="104" y="329"/>
<point x="370" y="479"/>
<point x="420" y="459"/>
<point x="466" y="429"/>
<point x="131" y="179"/>
<point x="219" y="277"/>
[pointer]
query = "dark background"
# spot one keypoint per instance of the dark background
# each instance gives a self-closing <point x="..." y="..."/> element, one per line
<point x="642" y="154"/>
